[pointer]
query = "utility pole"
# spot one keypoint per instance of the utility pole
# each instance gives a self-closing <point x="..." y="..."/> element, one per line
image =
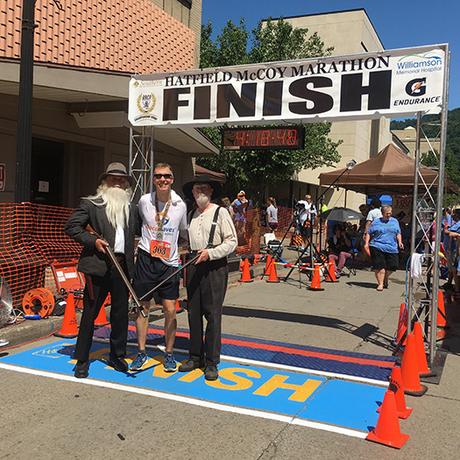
<point x="24" y="128"/>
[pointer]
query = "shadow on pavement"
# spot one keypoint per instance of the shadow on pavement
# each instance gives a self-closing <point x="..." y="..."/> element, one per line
<point x="362" y="284"/>
<point x="367" y="332"/>
<point x="451" y="341"/>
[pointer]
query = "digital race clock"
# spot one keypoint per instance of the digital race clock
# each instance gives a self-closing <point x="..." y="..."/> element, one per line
<point x="285" y="138"/>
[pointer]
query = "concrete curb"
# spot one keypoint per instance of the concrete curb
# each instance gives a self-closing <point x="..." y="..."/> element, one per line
<point x="29" y="330"/>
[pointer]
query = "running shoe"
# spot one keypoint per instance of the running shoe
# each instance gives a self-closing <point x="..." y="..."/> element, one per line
<point x="169" y="363"/>
<point x="140" y="360"/>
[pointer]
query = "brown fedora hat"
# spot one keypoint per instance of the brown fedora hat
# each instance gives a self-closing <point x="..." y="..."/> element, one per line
<point x="117" y="169"/>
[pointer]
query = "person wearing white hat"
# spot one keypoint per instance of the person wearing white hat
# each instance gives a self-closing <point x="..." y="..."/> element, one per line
<point x="111" y="216"/>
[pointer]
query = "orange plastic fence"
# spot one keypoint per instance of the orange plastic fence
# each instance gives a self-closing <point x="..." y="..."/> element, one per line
<point x="250" y="232"/>
<point x="31" y="237"/>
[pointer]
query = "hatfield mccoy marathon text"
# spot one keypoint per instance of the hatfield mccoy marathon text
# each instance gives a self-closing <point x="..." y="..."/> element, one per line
<point x="360" y="86"/>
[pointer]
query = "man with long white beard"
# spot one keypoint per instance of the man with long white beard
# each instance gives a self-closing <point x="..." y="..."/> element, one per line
<point x="213" y="237"/>
<point x="111" y="216"/>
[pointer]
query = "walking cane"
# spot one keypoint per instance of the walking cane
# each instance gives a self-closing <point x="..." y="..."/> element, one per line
<point x="137" y="301"/>
<point x="174" y="273"/>
<point x="138" y="308"/>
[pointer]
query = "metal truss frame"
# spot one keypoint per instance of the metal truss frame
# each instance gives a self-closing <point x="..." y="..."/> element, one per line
<point x="422" y="293"/>
<point x="141" y="154"/>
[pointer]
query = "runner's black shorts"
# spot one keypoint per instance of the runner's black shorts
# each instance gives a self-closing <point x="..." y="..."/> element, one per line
<point x="150" y="271"/>
<point x="386" y="260"/>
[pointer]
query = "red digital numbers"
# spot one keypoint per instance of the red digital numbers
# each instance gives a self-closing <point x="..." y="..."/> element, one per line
<point x="241" y="138"/>
<point x="264" y="138"/>
<point x="291" y="137"/>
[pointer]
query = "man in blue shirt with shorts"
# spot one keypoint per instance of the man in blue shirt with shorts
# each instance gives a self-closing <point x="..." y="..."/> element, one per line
<point x="383" y="240"/>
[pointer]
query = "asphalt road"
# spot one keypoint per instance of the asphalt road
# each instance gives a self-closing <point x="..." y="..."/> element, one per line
<point x="43" y="418"/>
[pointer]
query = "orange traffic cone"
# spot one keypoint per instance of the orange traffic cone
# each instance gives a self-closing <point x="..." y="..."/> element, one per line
<point x="246" y="273"/>
<point x="69" y="328"/>
<point x="101" y="319"/>
<point x="331" y="276"/>
<point x="179" y="306"/>
<point x="387" y="431"/>
<point x="442" y="318"/>
<point x="410" y="369"/>
<point x="268" y="263"/>
<point x="273" y="276"/>
<point x="402" y="323"/>
<point x="397" y="386"/>
<point x="420" y="347"/>
<point x="315" y="284"/>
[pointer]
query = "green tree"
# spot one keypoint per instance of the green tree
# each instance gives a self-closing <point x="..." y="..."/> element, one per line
<point x="452" y="162"/>
<point x="276" y="41"/>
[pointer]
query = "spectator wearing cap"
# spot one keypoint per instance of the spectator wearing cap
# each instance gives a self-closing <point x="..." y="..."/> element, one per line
<point x="212" y="237"/>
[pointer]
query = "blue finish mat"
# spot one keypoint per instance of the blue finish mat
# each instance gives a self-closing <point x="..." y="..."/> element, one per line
<point x="305" y="357"/>
<point x="295" y="397"/>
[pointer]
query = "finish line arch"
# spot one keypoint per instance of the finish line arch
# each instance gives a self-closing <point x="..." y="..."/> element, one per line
<point x="390" y="83"/>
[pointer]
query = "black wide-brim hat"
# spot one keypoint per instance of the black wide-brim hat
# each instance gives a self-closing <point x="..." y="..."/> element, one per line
<point x="204" y="179"/>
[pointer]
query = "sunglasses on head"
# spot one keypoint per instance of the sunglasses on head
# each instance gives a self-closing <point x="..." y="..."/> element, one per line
<point x="166" y="176"/>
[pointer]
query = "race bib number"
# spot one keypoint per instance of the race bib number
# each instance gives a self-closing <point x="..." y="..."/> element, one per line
<point x="160" y="249"/>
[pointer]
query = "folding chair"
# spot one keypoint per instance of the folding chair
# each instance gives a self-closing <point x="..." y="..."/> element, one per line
<point x="350" y="264"/>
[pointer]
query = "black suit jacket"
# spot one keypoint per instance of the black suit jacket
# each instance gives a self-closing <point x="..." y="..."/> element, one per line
<point x="93" y="262"/>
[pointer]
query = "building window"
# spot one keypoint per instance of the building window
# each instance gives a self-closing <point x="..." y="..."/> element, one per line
<point x="187" y="3"/>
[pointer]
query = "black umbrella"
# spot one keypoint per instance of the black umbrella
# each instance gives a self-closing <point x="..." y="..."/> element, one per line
<point x="341" y="214"/>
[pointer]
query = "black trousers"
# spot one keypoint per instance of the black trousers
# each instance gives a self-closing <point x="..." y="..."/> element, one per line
<point x="206" y="288"/>
<point x="96" y="290"/>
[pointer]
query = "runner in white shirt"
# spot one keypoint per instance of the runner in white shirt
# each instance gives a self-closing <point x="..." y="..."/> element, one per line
<point x="163" y="215"/>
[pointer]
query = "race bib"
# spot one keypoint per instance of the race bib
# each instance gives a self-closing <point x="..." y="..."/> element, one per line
<point x="160" y="249"/>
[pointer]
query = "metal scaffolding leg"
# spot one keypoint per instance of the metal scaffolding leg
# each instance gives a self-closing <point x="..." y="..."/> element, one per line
<point x="141" y="160"/>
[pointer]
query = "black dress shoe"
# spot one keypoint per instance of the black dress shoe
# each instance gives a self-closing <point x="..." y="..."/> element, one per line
<point x="119" y="364"/>
<point x="190" y="365"/>
<point x="210" y="373"/>
<point x="81" y="369"/>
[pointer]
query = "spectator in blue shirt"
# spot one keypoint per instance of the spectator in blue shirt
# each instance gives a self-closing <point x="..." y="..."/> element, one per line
<point x="383" y="240"/>
<point x="453" y="234"/>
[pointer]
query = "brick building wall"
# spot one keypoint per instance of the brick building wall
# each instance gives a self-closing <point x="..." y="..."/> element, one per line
<point x="134" y="36"/>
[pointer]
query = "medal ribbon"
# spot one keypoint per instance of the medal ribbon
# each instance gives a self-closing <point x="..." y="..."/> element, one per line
<point x="161" y="222"/>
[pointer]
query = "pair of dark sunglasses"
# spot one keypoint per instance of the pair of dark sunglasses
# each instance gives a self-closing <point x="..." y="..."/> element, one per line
<point x="166" y="176"/>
